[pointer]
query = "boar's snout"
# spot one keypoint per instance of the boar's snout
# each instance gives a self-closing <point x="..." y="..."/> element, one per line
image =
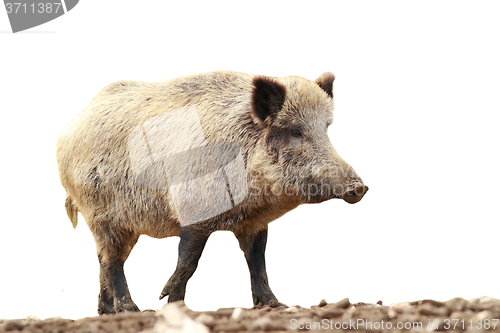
<point x="355" y="192"/>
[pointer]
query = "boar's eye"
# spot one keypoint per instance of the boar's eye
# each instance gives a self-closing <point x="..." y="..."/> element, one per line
<point x="297" y="133"/>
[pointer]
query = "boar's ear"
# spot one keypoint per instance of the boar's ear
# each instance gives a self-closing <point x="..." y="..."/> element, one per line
<point x="268" y="96"/>
<point x="325" y="81"/>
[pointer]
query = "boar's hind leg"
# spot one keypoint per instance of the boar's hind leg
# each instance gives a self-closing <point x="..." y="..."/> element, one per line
<point x="113" y="247"/>
<point x="254" y="247"/>
<point x="191" y="246"/>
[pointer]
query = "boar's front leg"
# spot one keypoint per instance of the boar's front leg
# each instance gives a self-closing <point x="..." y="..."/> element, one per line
<point x="191" y="246"/>
<point x="254" y="247"/>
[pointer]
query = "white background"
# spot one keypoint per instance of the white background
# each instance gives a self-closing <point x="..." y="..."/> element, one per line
<point x="417" y="100"/>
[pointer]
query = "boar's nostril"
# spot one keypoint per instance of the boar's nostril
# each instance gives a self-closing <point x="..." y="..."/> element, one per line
<point x="361" y="190"/>
<point x="355" y="195"/>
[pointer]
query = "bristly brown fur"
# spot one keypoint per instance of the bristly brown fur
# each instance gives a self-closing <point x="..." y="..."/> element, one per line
<point x="325" y="81"/>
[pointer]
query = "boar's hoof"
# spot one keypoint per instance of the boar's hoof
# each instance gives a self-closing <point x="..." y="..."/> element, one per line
<point x="354" y="195"/>
<point x="104" y="309"/>
<point x="125" y="306"/>
<point x="108" y="305"/>
<point x="271" y="304"/>
<point x="174" y="294"/>
<point x="266" y="299"/>
<point x="275" y="303"/>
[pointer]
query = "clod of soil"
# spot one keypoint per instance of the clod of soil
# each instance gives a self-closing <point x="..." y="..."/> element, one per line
<point x="456" y="315"/>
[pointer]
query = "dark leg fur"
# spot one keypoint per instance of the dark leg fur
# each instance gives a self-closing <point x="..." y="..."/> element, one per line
<point x="114" y="246"/>
<point x="191" y="246"/>
<point x="105" y="304"/>
<point x="254" y="247"/>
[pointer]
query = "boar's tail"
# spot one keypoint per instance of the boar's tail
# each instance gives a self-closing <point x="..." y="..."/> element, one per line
<point x="72" y="211"/>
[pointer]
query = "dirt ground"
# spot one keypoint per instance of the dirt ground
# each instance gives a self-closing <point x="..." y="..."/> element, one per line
<point x="456" y="315"/>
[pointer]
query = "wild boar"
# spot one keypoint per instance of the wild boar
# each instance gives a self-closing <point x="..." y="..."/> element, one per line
<point x="187" y="157"/>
